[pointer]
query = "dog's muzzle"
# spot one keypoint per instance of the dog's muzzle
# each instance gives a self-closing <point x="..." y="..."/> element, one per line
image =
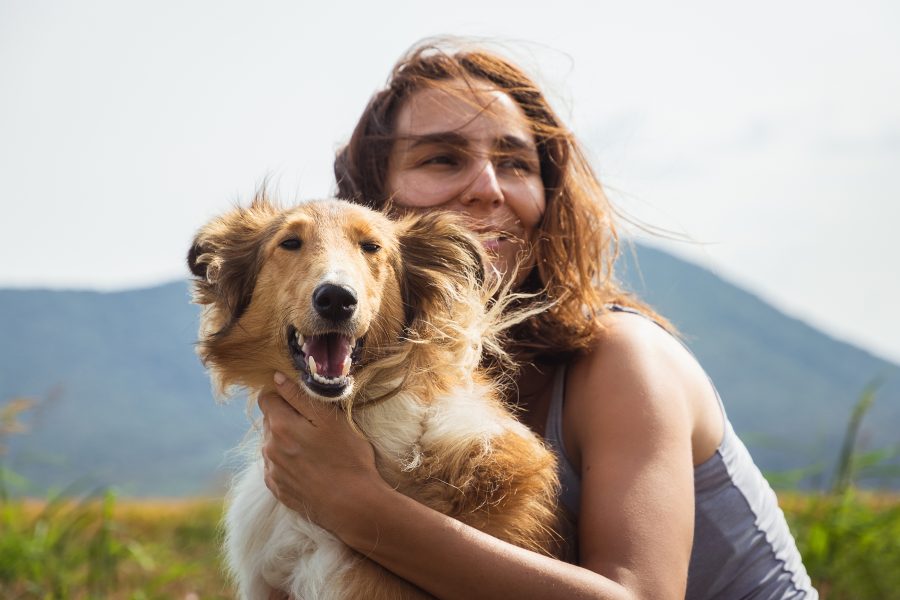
<point x="324" y="361"/>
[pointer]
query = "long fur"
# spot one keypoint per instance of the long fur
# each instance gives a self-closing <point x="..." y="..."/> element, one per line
<point x="440" y="430"/>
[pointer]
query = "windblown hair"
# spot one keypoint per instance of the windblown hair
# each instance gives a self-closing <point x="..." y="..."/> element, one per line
<point x="576" y="244"/>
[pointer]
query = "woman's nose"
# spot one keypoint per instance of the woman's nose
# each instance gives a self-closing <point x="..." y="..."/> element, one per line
<point x="485" y="187"/>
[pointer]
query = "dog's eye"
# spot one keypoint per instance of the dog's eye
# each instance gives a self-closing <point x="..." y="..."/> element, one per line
<point x="370" y="247"/>
<point x="291" y="244"/>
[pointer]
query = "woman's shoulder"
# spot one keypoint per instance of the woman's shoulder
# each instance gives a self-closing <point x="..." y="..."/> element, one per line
<point x="639" y="379"/>
<point x="632" y="349"/>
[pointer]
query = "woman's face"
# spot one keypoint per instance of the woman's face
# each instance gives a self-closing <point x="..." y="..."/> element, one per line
<point x="469" y="149"/>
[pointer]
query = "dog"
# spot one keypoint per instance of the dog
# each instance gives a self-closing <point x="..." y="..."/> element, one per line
<point x="390" y="318"/>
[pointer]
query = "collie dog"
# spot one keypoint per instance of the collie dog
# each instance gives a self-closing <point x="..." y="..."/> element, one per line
<point x="390" y="319"/>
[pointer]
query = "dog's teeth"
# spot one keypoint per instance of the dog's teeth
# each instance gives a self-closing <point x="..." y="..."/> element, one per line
<point x="311" y="363"/>
<point x="300" y="339"/>
<point x="346" y="370"/>
<point x="304" y="348"/>
<point x="327" y="380"/>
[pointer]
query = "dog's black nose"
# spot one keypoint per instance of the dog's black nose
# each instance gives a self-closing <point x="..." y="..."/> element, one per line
<point x="334" y="302"/>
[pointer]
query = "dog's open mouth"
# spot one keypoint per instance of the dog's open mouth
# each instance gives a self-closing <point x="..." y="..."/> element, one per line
<point x="325" y="361"/>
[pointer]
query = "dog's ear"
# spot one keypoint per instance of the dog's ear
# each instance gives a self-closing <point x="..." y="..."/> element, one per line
<point x="440" y="258"/>
<point x="226" y="256"/>
<point x="198" y="267"/>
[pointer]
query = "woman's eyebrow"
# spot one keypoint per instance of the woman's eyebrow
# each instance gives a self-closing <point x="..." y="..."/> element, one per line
<point x="443" y="138"/>
<point x="508" y="143"/>
<point x="512" y="143"/>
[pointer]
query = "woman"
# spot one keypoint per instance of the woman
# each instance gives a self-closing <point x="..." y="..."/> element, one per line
<point x="667" y="502"/>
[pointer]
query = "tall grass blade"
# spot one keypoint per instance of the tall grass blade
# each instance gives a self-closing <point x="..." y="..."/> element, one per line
<point x="846" y="465"/>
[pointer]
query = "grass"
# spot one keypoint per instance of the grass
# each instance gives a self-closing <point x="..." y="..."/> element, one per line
<point x="91" y="546"/>
<point x="146" y="549"/>
<point x="850" y="543"/>
<point x="107" y="548"/>
<point x="98" y="546"/>
<point x="850" y="539"/>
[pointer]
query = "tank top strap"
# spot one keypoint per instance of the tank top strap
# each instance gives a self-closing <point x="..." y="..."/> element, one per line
<point x="569" y="479"/>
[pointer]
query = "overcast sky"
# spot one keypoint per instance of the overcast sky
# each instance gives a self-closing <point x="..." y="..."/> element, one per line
<point x="766" y="132"/>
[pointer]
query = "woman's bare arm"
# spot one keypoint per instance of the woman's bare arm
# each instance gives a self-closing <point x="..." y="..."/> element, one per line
<point x="434" y="551"/>
<point x="630" y="414"/>
<point x="634" y="446"/>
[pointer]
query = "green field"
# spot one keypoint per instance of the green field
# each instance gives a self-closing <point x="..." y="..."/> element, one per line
<point x="103" y="548"/>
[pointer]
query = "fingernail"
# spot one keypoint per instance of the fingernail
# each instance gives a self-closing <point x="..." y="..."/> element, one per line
<point x="279" y="378"/>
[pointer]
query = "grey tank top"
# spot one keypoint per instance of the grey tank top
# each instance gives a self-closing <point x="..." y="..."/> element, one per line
<point x="742" y="545"/>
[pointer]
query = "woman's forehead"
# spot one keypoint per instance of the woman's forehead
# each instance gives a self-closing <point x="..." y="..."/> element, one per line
<point x="476" y="109"/>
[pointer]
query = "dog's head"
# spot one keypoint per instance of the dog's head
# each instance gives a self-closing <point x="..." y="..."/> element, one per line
<point x="326" y="290"/>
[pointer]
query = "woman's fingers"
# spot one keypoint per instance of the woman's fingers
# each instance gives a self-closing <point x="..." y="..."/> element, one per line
<point x="285" y="407"/>
<point x="272" y="405"/>
<point x="290" y="392"/>
<point x="312" y="454"/>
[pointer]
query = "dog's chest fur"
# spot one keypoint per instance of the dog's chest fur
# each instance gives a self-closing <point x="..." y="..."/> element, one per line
<point x="411" y="440"/>
<point x="404" y="429"/>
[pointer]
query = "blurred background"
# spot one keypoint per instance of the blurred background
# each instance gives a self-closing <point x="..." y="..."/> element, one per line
<point x="760" y="141"/>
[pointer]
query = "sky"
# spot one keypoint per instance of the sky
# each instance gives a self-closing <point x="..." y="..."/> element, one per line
<point x="763" y="137"/>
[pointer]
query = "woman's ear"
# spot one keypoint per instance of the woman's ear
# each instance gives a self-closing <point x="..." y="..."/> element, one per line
<point x="440" y="259"/>
<point x="226" y="256"/>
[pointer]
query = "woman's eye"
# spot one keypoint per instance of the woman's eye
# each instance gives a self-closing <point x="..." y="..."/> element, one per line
<point x="370" y="247"/>
<point x="291" y="244"/>
<point x="516" y="164"/>
<point x="441" y="159"/>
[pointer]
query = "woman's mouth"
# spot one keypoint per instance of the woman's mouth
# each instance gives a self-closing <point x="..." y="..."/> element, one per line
<point x="493" y="239"/>
<point x="492" y="244"/>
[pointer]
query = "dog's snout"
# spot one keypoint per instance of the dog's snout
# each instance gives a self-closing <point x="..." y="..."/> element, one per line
<point x="334" y="302"/>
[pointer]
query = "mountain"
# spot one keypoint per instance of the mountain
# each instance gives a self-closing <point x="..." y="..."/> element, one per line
<point x="788" y="388"/>
<point x="125" y="401"/>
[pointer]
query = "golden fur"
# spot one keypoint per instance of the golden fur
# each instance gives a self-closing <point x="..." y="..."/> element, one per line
<point x="416" y="389"/>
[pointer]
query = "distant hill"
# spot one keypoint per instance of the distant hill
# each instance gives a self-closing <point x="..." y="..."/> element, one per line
<point x="128" y="404"/>
<point x="788" y="388"/>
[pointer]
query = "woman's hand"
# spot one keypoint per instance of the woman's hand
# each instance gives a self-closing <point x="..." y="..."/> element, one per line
<point x="316" y="465"/>
<point x="314" y="460"/>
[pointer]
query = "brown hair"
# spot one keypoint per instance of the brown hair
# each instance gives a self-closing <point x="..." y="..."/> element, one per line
<point x="576" y="243"/>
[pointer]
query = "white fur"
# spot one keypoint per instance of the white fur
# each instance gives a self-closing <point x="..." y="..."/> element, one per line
<point x="268" y="545"/>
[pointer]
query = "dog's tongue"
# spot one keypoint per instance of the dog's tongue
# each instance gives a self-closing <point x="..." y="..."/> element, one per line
<point x="329" y="351"/>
